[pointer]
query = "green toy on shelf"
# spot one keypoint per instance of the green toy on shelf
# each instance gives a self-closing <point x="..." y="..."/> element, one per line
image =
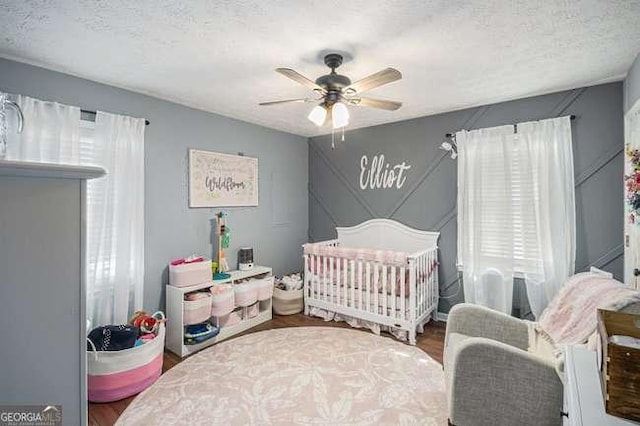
<point x="223" y="234"/>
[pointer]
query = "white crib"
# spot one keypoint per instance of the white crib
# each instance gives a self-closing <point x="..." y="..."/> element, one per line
<point x="379" y="271"/>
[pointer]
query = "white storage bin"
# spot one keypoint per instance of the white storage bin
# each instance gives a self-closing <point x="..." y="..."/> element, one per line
<point x="188" y="274"/>
<point x="287" y="302"/>
<point x="246" y="293"/>
<point x="265" y="288"/>
<point x="230" y="319"/>
<point x="196" y="311"/>
<point x="222" y="299"/>
<point x="253" y="310"/>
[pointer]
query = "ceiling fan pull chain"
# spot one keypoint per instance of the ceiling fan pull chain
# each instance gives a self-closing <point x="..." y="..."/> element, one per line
<point x="343" y="134"/>
<point x="333" y="139"/>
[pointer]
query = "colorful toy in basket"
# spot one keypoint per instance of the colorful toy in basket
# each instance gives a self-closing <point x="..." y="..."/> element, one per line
<point x="197" y="333"/>
<point x="145" y="322"/>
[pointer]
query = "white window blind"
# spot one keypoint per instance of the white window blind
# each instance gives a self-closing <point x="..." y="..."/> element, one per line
<point x="97" y="227"/>
<point x="508" y="232"/>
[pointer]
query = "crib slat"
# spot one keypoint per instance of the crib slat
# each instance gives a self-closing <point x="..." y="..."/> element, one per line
<point x="312" y="278"/>
<point x="353" y="284"/>
<point x="393" y="284"/>
<point x="307" y="275"/>
<point x="330" y="292"/>
<point x="376" y="288"/>
<point x="421" y="276"/>
<point x="436" y="290"/>
<point x="433" y="283"/>
<point x="338" y="276"/>
<point x="385" y="296"/>
<point x="360" y="284"/>
<point x="432" y="287"/>
<point x="367" y="279"/>
<point x="413" y="291"/>
<point x="324" y="277"/>
<point x="403" y="314"/>
<point x="345" y="283"/>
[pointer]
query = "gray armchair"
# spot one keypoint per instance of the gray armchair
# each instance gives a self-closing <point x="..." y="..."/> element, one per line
<point x="491" y="378"/>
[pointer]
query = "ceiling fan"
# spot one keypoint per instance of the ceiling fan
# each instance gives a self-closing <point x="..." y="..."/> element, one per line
<point x="335" y="91"/>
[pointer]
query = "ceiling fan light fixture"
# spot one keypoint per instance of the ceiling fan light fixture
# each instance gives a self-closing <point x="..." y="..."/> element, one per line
<point x="318" y="115"/>
<point x="339" y="115"/>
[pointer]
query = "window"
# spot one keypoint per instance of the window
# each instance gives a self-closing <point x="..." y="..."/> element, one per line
<point x="508" y="231"/>
<point x="516" y="211"/>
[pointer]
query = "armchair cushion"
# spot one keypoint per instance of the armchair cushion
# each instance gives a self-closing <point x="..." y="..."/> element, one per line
<point x="492" y="383"/>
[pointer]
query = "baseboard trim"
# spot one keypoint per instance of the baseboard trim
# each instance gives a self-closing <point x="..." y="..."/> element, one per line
<point x="442" y="317"/>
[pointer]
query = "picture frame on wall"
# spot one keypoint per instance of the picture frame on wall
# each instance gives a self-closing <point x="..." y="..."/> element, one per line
<point x="222" y="180"/>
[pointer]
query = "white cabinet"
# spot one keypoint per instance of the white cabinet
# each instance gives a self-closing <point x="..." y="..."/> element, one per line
<point x="174" y="311"/>
<point x="583" y="392"/>
<point x="42" y="286"/>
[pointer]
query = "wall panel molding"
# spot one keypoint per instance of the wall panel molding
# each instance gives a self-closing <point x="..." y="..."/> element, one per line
<point x="323" y="204"/>
<point x="316" y="151"/>
<point x="567" y="101"/>
<point x="430" y="168"/>
<point x="600" y="218"/>
<point x="597" y="165"/>
<point x="605" y="259"/>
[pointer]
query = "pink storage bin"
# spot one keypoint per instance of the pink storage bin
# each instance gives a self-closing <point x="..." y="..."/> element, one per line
<point x="265" y="288"/>
<point x="246" y="293"/>
<point x="189" y="274"/>
<point x="196" y="311"/>
<point x="253" y="310"/>
<point x="115" y="375"/>
<point x="222" y="300"/>
<point x="232" y="318"/>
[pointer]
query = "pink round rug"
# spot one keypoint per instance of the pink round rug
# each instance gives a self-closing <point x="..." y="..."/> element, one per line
<point x="302" y="376"/>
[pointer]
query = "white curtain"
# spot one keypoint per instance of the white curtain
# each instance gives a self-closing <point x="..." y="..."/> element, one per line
<point x="547" y="154"/>
<point x="51" y="133"/>
<point x="115" y="203"/>
<point x="516" y="211"/>
<point x="485" y="216"/>
<point x="115" y="240"/>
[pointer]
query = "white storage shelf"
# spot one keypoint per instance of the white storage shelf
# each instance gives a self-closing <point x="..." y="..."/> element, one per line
<point x="174" y="311"/>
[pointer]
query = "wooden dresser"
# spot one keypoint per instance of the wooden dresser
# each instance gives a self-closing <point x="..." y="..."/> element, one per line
<point x="583" y="401"/>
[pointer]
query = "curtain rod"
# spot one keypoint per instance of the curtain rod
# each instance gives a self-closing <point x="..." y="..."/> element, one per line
<point x="93" y="113"/>
<point x="450" y="135"/>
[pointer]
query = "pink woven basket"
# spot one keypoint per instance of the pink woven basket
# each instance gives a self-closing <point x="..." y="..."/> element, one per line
<point x="112" y="376"/>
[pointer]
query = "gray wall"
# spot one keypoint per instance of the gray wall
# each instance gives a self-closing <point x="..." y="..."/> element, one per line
<point x="632" y="85"/>
<point x="275" y="229"/>
<point x="428" y="199"/>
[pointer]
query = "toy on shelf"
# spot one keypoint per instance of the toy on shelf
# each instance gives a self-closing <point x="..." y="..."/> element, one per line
<point x="197" y="333"/>
<point x="223" y="234"/>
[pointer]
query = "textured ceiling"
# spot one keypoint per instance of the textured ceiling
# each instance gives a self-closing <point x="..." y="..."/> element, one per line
<point x="220" y="56"/>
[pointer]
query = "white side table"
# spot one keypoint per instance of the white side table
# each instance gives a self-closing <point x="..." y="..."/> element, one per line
<point x="583" y="392"/>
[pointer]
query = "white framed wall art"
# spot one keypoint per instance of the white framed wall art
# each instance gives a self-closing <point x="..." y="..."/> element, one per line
<point x="222" y="180"/>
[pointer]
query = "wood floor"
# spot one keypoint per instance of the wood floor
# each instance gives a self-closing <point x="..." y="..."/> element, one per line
<point x="431" y="341"/>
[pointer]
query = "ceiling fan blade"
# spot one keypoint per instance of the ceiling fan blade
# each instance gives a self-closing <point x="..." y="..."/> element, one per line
<point x="375" y="103"/>
<point x="378" y="79"/>
<point x="287" y="101"/>
<point x="299" y="78"/>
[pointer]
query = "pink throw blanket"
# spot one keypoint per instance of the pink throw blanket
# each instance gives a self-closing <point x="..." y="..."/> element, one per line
<point x="571" y="317"/>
